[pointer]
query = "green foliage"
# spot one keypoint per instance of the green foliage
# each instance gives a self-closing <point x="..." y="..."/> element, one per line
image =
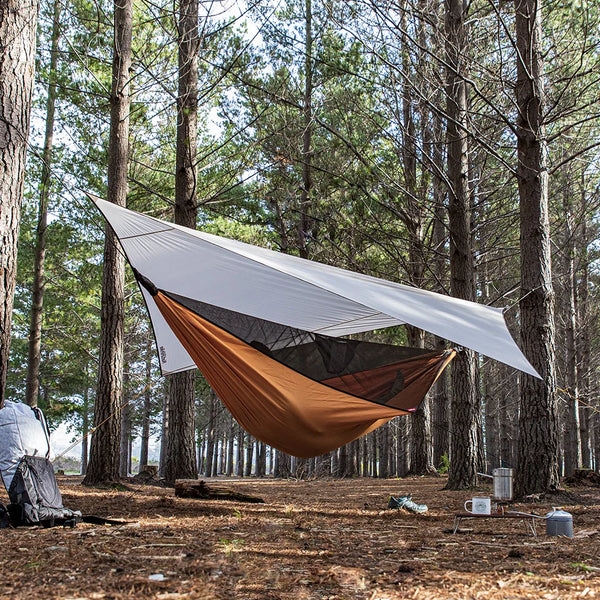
<point x="444" y="464"/>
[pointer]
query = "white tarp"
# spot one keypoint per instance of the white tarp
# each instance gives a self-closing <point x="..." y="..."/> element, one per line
<point x="292" y="291"/>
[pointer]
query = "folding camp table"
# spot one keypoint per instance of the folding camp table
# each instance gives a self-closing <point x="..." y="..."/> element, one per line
<point x="527" y="517"/>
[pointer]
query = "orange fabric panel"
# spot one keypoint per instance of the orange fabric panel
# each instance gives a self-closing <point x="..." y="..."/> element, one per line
<point x="419" y="374"/>
<point x="274" y="403"/>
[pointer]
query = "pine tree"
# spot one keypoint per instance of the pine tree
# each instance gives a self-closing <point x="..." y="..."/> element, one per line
<point x="537" y="468"/>
<point x="104" y="451"/>
<point x="35" y="328"/>
<point x="180" y="459"/>
<point x="18" y="22"/>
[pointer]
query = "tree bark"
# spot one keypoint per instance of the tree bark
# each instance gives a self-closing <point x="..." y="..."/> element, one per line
<point x="508" y="417"/>
<point x="147" y="406"/>
<point x="383" y="448"/>
<point x="421" y="449"/>
<point x="210" y="435"/>
<point x="596" y="436"/>
<point x="261" y="459"/>
<point x="230" y="449"/>
<point x="37" y="300"/>
<point x="492" y="417"/>
<point x="489" y="370"/>
<point x="104" y="452"/>
<point x="403" y="446"/>
<point x="464" y="409"/>
<point x="440" y="401"/>
<point x="537" y="458"/>
<point x="283" y="464"/>
<point x="165" y="428"/>
<point x="305" y="192"/>
<point x="215" y="464"/>
<point x="85" y="427"/>
<point x="374" y="452"/>
<point x="18" y="23"/>
<point x="239" y="466"/>
<point x="584" y="348"/>
<point x="124" y="443"/>
<point x="341" y="463"/>
<point x="353" y="459"/>
<point x="572" y="437"/>
<point x="195" y="488"/>
<point x="181" y="452"/>
<point x="249" y="456"/>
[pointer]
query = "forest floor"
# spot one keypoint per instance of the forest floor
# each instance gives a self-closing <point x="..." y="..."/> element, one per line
<point x="321" y="539"/>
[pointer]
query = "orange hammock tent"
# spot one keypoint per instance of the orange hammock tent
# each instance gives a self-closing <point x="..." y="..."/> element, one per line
<point x="271" y="333"/>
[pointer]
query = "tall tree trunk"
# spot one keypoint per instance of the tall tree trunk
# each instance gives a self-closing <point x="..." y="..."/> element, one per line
<point x="363" y="457"/>
<point x="18" y="22"/>
<point x="200" y="446"/>
<point x="147" y="406"/>
<point x="261" y="459"/>
<point x="384" y="451"/>
<point x="349" y="469"/>
<point x="85" y="429"/>
<point x="215" y="465"/>
<point x="489" y="370"/>
<point x="325" y="464"/>
<point x="104" y="452"/>
<point x="239" y="465"/>
<point x="341" y="468"/>
<point x="537" y="466"/>
<point x="440" y="401"/>
<point x="421" y="449"/>
<point x="181" y="451"/>
<point x="124" y="457"/>
<point x="572" y="439"/>
<point x="37" y="301"/>
<point x="211" y="435"/>
<point x="230" y="451"/>
<point x="403" y="445"/>
<point x="352" y="470"/>
<point x="165" y="427"/>
<point x="421" y="454"/>
<point x="440" y="404"/>
<point x="464" y="408"/>
<point x="596" y="441"/>
<point x="492" y="416"/>
<point x="283" y="464"/>
<point x="249" y="457"/>
<point x="432" y="182"/>
<point x="373" y="452"/>
<point x="223" y="455"/>
<point x="507" y="418"/>
<point x="584" y="348"/>
<point x="473" y="179"/>
<point x="305" y="192"/>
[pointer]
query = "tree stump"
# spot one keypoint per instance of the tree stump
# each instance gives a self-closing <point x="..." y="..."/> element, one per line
<point x="147" y="474"/>
<point x="150" y="470"/>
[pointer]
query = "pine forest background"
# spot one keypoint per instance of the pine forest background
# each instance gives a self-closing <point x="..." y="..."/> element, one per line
<point x="325" y="131"/>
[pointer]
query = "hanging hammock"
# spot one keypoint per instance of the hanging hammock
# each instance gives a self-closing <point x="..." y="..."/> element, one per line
<point x="265" y="329"/>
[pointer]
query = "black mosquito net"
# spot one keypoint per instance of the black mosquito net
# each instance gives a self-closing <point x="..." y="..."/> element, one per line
<point x="378" y="371"/>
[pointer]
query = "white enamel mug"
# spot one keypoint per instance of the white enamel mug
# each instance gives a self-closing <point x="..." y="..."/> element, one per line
<point x="480" y="505"/>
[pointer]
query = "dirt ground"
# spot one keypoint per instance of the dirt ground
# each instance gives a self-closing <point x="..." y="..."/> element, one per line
<point x="323" y="539"/>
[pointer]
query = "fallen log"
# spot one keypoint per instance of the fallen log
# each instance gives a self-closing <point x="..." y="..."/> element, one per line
<point x="583" y="477"/>
<point x="198" y="488"/>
